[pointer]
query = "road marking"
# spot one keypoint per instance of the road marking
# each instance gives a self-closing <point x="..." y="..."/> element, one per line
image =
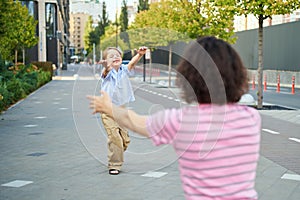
<point x="163" y="95"/>
<point x="155" y="174"/>
<point x="294" y="177"/>
<point x="30" y="125"/>
<point x="16" y="183"/>
<point x="295" y="139"/>
<point x="270" y="131"/>
<point x="41" y="117"/>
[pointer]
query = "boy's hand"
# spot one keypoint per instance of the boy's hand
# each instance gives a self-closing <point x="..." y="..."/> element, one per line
<point x="142" y="50"/>
<point x="107" y="68"/>
<point x="103" y="63"/>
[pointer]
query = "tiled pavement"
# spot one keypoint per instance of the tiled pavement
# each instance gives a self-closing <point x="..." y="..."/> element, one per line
<point x="52" y="148"/>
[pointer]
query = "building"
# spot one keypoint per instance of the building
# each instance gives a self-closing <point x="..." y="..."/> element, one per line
<point x="52" y="31"/>
<point x="78" y="23"/>
<point x="242" y="23"/>
<point x="90" y="7"/>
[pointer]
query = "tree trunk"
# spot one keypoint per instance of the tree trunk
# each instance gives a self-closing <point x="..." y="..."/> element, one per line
<point x="23" y="51"/>
<point x="16" y="57"/>
<point x="260" y="63"/>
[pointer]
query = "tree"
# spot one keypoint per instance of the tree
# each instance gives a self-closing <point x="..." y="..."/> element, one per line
<point x="196" y="18"/>
<point x="191" y="19"/>
<point x="88" y="29"/>
<point x="93" y="35"/>
<point x="17" y="29"/>
<point x="143" y="5"/>
<point x="109" y="39"/>
<point x="104" y="21"/>
<point x="124" y="17"/>
<point x="264" y="9"/>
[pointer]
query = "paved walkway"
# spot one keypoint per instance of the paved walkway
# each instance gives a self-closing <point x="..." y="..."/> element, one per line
<point x="53" y="148"/>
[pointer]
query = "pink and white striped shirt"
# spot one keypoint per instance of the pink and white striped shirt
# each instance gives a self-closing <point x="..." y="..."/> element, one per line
<point x="217" y="147"/>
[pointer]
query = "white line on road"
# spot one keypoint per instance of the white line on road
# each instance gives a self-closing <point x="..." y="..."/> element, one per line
<point x="294" y="177"/>
<point x="295" y="139"/>
<point x="41" y="117"/>
<point x="16" y="183"/>
<point x="30" y="125"/>
<point x="154" y="174"/>
<point x="270" y="131"/>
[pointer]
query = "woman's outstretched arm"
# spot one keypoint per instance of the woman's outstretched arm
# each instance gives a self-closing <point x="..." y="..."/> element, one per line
<point x="125" y="118"/>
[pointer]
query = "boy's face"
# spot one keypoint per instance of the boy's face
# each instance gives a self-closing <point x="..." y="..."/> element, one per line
<point x="113" y="58"/>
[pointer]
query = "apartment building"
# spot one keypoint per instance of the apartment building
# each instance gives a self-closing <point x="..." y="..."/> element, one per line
<point x="78" y="23"/>
<point x="52" y="31"/>
<point x="242" y="23"/>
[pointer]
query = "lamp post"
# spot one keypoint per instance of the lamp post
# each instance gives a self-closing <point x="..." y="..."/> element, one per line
<point x="116" y="23"/>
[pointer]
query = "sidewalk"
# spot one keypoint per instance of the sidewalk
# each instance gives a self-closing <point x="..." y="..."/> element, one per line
<point x="53" y="148"/>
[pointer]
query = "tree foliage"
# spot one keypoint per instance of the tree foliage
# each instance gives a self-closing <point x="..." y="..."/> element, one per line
<point x="124" y="16"/>
<point x="87" y="30"/>
<point x="17" y="28"/>
<point x="143" y="5"/>
<point x="196" y="18"/>
<point x="93" y="35"/>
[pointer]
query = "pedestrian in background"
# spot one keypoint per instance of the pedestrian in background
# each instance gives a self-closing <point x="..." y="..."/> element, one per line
<point x="217" y="140"/>
<point x="115" y="81"/>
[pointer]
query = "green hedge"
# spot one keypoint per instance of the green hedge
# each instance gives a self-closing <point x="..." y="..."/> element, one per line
<point x="16" y="82"/>
<point x="45" y="66"/>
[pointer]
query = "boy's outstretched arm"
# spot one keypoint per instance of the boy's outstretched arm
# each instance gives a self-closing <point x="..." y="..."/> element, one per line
<point x="125" y="118"/>
<point x="135" y="59"/>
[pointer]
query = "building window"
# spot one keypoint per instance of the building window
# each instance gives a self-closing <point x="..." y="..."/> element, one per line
<point x="51" y="19"/>
<point x="31" y="6"/>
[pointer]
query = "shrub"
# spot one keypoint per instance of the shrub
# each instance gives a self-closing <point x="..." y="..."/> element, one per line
<point x="5" y="97"/>
<point x="30" y="81"/>
<point x="16" y="82"/>
<point x="43" y="78"/>
<point x="45" y="66"/>
<point x="14" y="86"/>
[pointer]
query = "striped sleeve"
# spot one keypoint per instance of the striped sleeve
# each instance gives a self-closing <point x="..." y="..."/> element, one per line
<point x="163" y="126"/>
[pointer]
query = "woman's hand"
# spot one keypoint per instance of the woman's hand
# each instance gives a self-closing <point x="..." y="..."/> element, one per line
<point x="101" y="104"/>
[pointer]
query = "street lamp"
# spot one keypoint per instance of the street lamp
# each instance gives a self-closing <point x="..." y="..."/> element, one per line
<point x="116" y="23"/>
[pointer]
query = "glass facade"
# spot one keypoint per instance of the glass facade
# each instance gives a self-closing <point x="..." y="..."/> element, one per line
<point x="51" y="20"/>
<point x="31" y="6"/>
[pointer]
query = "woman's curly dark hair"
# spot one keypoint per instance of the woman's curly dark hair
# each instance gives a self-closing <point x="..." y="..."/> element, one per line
<point x="211" y="71"/>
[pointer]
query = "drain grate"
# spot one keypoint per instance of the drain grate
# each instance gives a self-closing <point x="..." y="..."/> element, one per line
<point x="36" y="133"/>
<point x="37" y="154"/>
<point x="272" y="107"/>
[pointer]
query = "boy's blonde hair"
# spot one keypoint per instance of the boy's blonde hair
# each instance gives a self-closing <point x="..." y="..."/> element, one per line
<point x="110" y="48"/>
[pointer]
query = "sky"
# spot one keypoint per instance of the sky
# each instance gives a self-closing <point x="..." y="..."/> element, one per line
<point x="111" y="6"/>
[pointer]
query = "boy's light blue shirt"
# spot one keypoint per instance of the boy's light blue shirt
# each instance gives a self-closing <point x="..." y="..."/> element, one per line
<point x="118" y="86"/>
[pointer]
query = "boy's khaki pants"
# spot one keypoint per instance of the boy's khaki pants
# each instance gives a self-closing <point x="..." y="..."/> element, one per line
<point x="118" y="141"/>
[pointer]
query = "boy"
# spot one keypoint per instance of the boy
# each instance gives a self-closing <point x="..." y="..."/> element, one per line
<point x="115" y="81"/>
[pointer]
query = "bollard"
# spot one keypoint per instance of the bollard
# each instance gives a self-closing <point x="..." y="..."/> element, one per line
<point x="293" y="85"/>
<point x="278" y="83"/>
<point x="265" y="82"/>
<point x="253" y="81"/>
